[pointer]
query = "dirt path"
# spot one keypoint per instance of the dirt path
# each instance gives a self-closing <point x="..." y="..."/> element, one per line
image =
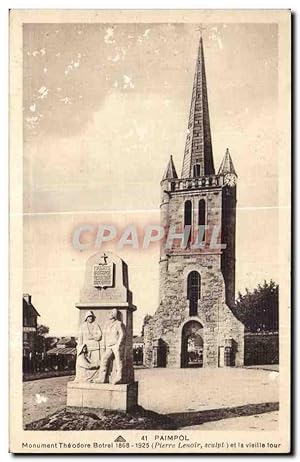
<point x="43" y="397"/>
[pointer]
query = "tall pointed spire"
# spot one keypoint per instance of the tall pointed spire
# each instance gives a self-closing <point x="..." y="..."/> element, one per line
<point x="226" y="164"/>
<point x="170" y="172"/>
<point x="198" y="155"/>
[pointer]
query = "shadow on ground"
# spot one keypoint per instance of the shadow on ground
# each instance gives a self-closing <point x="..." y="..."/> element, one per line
<point x="73" y="418"/>
<point x="99" y="419"/>
<point x="185" y="419"/>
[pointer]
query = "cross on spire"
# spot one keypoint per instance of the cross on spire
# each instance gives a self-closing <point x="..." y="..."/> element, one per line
<point x="201" y="28"/>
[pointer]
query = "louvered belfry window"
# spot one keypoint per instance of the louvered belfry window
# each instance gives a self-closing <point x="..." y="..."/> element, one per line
<point x="188" y="217"/>
<point x="202" y="216"/>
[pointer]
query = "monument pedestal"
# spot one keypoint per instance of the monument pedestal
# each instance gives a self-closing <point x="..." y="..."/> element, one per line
<point x="106" y="293"/>
<point x="120" y="397"/>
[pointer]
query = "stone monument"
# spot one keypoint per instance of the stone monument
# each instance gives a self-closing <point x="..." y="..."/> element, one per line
<point x="104" y="372"/>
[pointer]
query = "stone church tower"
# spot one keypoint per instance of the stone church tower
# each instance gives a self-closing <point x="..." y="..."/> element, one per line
<point x="194" y="325"/>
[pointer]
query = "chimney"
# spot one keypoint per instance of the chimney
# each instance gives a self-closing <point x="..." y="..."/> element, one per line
<point x="27" y="298"/>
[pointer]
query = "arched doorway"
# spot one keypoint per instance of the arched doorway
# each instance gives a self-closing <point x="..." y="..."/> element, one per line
<point x="192" y="345"/>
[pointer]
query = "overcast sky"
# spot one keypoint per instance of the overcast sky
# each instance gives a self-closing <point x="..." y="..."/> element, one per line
<point x="104" y="107"/>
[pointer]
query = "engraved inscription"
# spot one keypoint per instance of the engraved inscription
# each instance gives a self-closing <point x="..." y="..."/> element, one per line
<point x="103" y="275"/>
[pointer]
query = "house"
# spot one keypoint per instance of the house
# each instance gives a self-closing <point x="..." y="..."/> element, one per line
<point x="30" y="315"/>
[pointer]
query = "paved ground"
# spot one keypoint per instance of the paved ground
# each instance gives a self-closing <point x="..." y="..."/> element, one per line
<point x="240" y="399"/>
<point x="258" y="422"/>
<point x="266" y="367"/>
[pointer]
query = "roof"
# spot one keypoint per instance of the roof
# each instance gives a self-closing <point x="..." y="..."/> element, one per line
<point x="226" y="164"/>
<point x="170" y="172"/>
<point x="198" y="147"/>
<point x="70" y="341"/>
<point x="62" y="351"/>
<point x="29" y="306"/>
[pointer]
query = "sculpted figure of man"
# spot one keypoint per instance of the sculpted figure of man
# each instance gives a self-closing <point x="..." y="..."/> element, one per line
<point x="113" y="342"/>
<point x="90" y="335"/>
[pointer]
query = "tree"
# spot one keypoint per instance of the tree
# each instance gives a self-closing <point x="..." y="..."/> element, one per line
<point x="258" y="310"/>
<point x="146" y="320"/>
<point x="42" y="330"/>
<point x="40" y="338"/>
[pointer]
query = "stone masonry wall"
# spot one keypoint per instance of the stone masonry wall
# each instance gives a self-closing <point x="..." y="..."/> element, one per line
<point x="220" y="326"/>
<point x="216" y="318"/>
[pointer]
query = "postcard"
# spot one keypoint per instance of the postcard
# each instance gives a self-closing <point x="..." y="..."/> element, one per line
<point x="150" y="231"/>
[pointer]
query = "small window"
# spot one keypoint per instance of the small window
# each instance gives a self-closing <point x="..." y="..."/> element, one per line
<point x="196" y="170"/>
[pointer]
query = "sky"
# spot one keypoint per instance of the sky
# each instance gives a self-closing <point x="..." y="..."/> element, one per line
<point x="104" y="107"/>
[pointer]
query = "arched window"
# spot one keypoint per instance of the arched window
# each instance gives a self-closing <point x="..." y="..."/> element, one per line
<point x="202" y="217"/>
<point x="188" y="217"/>
<point x="193" y="291"/>
<point x="187" y="213"/>
<point x="196" y="170"/>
